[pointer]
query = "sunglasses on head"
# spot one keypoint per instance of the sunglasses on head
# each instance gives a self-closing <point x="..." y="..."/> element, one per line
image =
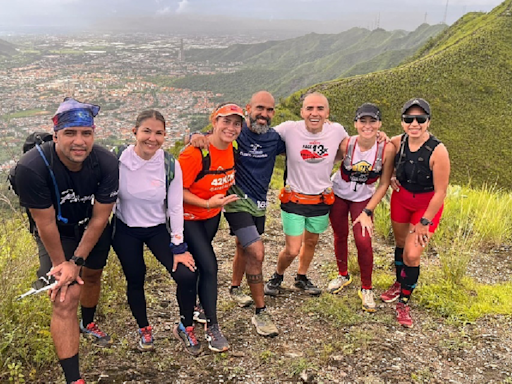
<point x="408" y="119"/>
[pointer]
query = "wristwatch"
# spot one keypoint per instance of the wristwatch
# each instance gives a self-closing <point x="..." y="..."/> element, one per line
<point x="425" y="221"/>
<point x="369" y="212"/>
<point x="79" y="261"/>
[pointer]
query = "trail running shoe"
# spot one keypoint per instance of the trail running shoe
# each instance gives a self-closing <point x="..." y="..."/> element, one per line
<point x="368" y="300"/>
<point x="81" y="381"/>
<point x="403" y="316"/>
<point x="392" y="293"/>
<point x="240" y="297"/>
<point x="199" y="315"/>
<point x="146" y="339"/>
<point x="93" y="332"/>
<point x="264" y="324"/>
<point x="188" y="337"/>
<point x="307" y="286"/>
<point x="216" y="340"/>
<point x="273" y="286"/>
<point x="337" y="284"/>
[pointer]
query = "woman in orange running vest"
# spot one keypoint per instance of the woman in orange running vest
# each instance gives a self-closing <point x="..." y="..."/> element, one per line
<point x="207" y="175"/>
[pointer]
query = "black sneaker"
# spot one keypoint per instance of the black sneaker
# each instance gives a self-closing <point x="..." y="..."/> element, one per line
<point x="307" y="286"/>
<point x="273" y="286"/>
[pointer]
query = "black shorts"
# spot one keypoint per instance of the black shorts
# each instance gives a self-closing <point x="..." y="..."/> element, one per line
<point x="97" y="259"/>
<point x="246" y="227"/>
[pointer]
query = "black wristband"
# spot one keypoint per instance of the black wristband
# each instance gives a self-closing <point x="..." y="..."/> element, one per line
<point x="178" y="249"/>
<point x="369" y="212"/>
<point x="425" y="221"/>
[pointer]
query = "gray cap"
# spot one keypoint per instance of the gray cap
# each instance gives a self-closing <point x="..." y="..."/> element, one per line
<point x="368" y="109"/>
<point x="417" y="102"/>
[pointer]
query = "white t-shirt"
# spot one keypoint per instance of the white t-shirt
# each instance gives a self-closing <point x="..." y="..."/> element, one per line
<point x="350" y="190"/>
<point x="310" y="157"/>
<point x="141" y="199"/>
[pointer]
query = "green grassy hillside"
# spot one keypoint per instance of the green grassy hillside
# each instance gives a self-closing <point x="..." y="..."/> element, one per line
<point x="466" y="74"/>
<point x="283" y="67"/>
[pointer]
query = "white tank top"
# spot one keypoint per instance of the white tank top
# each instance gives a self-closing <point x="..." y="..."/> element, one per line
<point x="350" y="190"/>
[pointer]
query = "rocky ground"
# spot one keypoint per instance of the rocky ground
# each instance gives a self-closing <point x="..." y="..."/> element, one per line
<point x="327" y="339"/>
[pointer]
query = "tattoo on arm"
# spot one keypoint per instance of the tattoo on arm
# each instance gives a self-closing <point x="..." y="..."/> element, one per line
<point x="254" y="279"/>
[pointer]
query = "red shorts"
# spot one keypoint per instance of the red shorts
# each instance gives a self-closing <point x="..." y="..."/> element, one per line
<point x="408" y="207"/>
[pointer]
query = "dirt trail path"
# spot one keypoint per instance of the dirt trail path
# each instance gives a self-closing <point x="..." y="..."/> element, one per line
<point x="328" y="339"/>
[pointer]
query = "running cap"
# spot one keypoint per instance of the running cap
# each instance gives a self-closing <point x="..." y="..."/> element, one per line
<point x="417" y="102"/>
<point x="368" y="109"/>
<point x="228" y="110"/>
<point x="72" y="113"/>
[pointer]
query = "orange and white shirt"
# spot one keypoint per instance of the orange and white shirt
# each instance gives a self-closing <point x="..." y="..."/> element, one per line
<point x="211" y="184"/>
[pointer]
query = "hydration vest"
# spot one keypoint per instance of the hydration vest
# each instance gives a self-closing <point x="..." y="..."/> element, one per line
<point x="413" y="168"/>
<point x="207" y="162"/>
<point x="368" y="176"/>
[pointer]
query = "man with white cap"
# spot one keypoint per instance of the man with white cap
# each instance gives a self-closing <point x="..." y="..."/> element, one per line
<point x="69" y="187"/>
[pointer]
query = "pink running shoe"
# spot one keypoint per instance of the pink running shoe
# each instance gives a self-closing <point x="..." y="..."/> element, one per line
<point x="392" y="293"/>
<point x="403" y="316"/>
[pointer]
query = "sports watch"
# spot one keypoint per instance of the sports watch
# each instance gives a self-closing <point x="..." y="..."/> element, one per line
<point x="368" y="212"/>
<point x="79" y="261"/>
<point x="425" y="221"/>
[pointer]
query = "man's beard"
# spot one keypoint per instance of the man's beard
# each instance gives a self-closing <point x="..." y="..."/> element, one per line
<point x="259" y="128"/>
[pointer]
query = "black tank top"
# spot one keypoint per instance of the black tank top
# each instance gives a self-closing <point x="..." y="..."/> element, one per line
<point x="413" y="168"/>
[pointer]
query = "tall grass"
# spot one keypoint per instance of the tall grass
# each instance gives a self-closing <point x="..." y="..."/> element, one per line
<point x="24" y="325"/>
<point x="473" y="219"/>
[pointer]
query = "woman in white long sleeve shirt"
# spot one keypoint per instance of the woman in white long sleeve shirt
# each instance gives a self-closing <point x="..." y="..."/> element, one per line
<point x="145" y="204"/>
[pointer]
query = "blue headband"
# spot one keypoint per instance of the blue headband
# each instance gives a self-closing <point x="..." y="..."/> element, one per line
<point x="73" y="113"/>
<point x="74" y="118"/>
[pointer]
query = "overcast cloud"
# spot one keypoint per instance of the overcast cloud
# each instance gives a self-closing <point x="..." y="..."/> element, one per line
<point x="392" y="14"/>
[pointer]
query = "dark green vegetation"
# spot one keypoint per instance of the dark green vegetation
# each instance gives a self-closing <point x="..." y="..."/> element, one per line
<point x="466" y="75"/>
<point x="6" y="48"/>
<point x="286" y="66"/>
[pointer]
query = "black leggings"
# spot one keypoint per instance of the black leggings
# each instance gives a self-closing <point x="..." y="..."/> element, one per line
<point x="128" y="243"/>
<point x="199" y="235"/>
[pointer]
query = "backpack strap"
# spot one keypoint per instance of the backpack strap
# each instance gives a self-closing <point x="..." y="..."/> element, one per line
<point x="377" y="164"/>
<point x="170" y="166"/>
<point x="236" y="151"/>
<point x="119" y="150"/>
<point x="349" y="152"/>
<point x="207" y="162"/>
<point x="55" y="186"/>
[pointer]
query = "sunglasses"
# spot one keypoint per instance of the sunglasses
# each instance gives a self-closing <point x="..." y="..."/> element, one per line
<point x="408" y="119"/>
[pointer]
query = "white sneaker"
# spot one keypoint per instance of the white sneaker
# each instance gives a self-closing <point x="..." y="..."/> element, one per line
<point x="368" y="300"/>
<point x="339" y="283"/>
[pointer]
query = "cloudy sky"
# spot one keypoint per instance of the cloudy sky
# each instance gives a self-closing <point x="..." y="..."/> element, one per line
<point x="393" y="14"/>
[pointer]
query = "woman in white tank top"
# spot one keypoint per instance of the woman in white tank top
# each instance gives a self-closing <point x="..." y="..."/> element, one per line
<point x="365" y="161"/>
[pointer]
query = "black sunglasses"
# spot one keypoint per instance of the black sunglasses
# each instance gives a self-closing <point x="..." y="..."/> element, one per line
<point x="408" y="119"/>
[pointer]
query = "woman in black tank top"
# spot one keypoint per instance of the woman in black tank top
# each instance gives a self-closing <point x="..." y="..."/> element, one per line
<point x="422" y="170"/>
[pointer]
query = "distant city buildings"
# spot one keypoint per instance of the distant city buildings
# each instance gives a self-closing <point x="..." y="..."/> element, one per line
<point x="124" y="74"/>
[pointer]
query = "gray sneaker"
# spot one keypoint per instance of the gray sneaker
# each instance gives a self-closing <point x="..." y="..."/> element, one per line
<point x="337" y="284"/>
<point x="240" y="297"/>
<point x="273" y="286"/>
<point x="216" y="340"/>
<point x="307" y="286"/>
<point x="264" y="324"/>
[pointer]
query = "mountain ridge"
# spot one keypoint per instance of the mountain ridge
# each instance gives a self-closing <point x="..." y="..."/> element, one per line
<point x="466" y="75"/>
<point x="295" y="63"/>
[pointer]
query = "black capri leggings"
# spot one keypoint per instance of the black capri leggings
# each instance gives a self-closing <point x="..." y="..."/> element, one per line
<point x="128" y="243"/>
<point x="199" y="235"/>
